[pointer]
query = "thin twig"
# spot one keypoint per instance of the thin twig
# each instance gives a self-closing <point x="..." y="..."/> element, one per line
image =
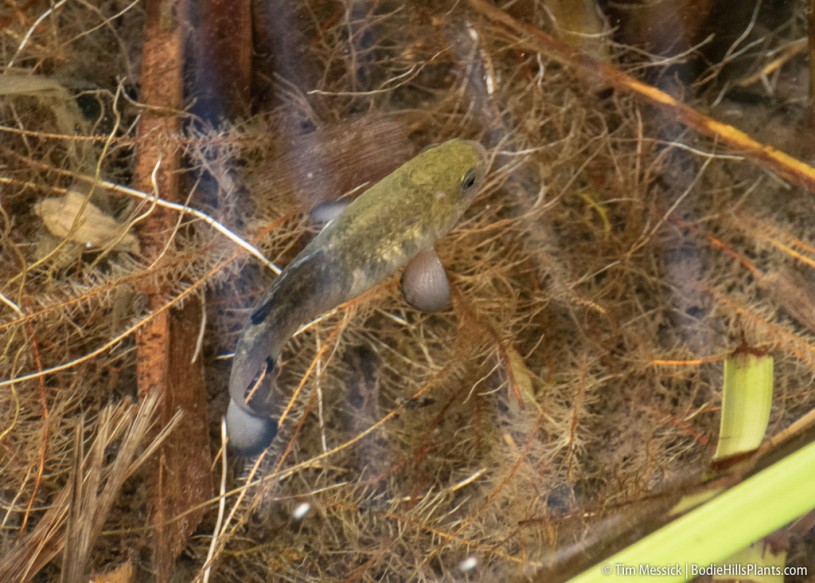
<point x="786" y="166"/>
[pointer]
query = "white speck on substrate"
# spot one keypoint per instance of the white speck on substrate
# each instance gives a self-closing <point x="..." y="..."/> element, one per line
<point x="302" y="509"/>
<point x="468" y="564"/>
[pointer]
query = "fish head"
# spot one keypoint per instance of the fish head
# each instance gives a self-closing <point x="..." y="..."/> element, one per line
<point x="451" y="174"/>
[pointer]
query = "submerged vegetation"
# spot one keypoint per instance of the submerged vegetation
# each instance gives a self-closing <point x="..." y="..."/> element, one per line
<point x="622" y="247"/>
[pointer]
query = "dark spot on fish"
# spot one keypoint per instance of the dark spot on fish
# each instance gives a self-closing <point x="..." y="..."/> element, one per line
<point x="261" y="312"/>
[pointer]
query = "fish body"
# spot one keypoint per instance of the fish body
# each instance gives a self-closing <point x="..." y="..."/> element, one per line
<point x="384" y="228"/>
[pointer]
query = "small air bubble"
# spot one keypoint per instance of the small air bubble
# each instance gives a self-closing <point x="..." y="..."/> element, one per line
<point x="302" y="509"/>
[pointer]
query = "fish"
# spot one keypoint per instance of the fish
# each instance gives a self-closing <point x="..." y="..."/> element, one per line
<point x="382" y="230"/>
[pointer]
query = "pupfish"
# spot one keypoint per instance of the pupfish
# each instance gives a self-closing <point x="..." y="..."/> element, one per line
<point x="397" y="220"/>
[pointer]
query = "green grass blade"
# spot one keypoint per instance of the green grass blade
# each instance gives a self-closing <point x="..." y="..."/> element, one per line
<point x="715" y="531"/>
<point x="746" y="402"/>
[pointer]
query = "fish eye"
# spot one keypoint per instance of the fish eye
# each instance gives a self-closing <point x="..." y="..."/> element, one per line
<point x="469" y="180"/>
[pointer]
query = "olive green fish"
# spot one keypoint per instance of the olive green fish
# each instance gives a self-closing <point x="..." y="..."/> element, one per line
<point x="399" y="218"/>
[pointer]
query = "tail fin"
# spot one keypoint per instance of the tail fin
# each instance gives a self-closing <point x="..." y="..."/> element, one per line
<point x="248" y="434"/>
<point x="306" y="288"/>
<point x="248" y="422"/>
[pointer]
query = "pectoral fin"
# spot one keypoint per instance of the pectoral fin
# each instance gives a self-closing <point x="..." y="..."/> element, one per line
<point x="325" y="212"/>
<point x="424" y="283"/>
